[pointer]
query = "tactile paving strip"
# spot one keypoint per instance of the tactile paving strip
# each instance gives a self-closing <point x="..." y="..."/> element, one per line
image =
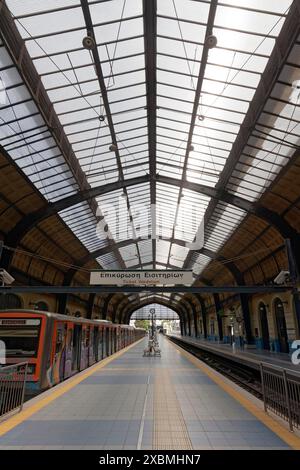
<point x="169" y="430"/>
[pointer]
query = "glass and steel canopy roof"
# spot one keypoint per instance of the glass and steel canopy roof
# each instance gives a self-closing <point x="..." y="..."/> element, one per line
<point x="170" y="106"/>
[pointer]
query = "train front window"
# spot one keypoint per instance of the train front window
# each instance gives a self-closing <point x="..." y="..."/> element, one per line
<point x="20" y="336"/>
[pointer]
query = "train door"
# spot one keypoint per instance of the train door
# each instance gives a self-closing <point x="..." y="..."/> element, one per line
<point x="90" y="345"/>
<point x="264" y="326"/>
<point x="114" y="339"/>
<point x="119" y="338"/>
<point x="108" y="341"/>
<point x="281" y="326"/>
<point x="85" y="341"/>
<point x="58" y="366"/>
<point x="76" y="352"/>
<point x="96" y="343"/>
<point x="104" y="338"/>
<point x="69" y="349"/>
<point x="100" y="344"/>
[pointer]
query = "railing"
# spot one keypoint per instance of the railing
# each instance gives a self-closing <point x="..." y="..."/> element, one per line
<point x="12" y="387"/>
<point x="281" y="392"/>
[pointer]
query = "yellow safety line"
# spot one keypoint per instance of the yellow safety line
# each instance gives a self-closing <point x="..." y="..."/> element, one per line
<point x="19" y="418"/>
<point x="291" y="439"/>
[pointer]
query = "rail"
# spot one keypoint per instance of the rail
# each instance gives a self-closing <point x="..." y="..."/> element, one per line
<point x="12" y="387"/>
<point x="281" y="392"/>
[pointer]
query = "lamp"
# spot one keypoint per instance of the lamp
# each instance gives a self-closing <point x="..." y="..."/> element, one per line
<point x="266" y="306"/>
<point x="280" y="304"/>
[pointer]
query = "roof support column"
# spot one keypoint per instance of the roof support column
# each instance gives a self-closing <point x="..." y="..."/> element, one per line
<point x="293" y="255"/>
<point x="188" y="316"/>
<point x="204" y="320"/>
<point x="195" y="320"/>
<point x="186" y="320"/>
<point x="105" y="306"/>
<point x="296" y="301"/>
<point x="62" y="303"/>
<point x="219" y="318"/>
<point x="244" y="298"/>
<point x="203" y="314"/>
<point x="90" y="307"/>
<point x="189" y="326"/>
<point x="114" y="313"/>
<point x="184" y="327"/>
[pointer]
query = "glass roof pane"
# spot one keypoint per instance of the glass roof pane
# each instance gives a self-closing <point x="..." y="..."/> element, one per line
<point x="246" y="32"/>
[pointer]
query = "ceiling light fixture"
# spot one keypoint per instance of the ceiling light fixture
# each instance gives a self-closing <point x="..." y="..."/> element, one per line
<point x="113" y="148"/>
<point x="88" y="43"/>
<point x="211" y="41"/>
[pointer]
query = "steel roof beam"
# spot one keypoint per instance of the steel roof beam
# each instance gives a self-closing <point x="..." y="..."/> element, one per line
<point x="138" y="289"/>
<point x="150" y="30"/>
<point x="15" y="236"/>
<point x="107" y="249"/>
<point x="98" y="68"/>
<point x="283" y="46"/>
<point x="204" y="58"/>
<point x="25" y="66"/>
<point x="23" y="62"/>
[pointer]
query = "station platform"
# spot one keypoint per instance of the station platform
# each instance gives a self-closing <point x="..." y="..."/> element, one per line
<point x="133" y="402"/>
<point x="249" y="357"/>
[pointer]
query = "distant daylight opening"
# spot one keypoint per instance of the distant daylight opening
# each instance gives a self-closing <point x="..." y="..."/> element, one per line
<point x="161" y="312"/>
<point x="165" y="319"/>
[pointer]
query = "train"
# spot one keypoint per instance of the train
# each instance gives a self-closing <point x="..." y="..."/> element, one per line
<point x="57" y="346"/>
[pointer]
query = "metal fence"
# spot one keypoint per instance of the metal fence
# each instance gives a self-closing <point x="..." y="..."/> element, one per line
<point x="281" y="392"/>
<point x="12" y="387"/>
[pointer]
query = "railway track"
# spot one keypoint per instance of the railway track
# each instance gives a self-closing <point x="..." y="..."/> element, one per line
<point x="245" y="377"/>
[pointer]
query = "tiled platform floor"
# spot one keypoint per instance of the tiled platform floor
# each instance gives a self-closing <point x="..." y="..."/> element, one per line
<point x="137" y="402"/>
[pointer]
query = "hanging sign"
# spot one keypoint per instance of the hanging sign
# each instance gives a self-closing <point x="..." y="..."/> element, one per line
<point x="141" y="278"/>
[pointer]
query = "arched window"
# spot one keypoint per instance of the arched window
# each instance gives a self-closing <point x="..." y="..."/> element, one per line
<point x="10" y="301"/>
